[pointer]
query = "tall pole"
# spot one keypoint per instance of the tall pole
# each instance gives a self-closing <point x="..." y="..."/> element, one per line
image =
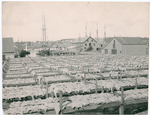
<point x="79" y="38"/>
<point x="97" y="29"/>
<point x="90" y="33"/>
<point x="44" y="29"/>
<point x="86" y="29"/>
<point x="105" y="31"/>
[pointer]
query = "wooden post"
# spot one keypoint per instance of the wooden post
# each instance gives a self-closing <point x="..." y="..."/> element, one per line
<point x="138" y="73"/>
<point x="127" y="73"/>
<point x="34" y="77"/>
<point x="32" y="96"/>
<point x="102" y="89"/>
<point x="21" y="110"/>
<point x="112" y="89"/>
<point x="136" y="82"/>
<point x="46" y="89"/>
<point x="121" y="75"/>
<point x="110" y="75"/>
<point x="84" y="78"/>
<point x="121" y="108"/>
<point x="96" y="85"/>
<point x="117" y="75"/>
<point x="60" y="96"/>
<point x="52" y="94"/>
<point x="77" y="78"/>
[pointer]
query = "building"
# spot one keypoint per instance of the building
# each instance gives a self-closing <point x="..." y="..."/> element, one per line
<point x="71" y="48"/>
<point x="125" y="45"/>
<point x="85" y="43"/>
<point x="69" y="40"/>
<point x="90" y="42"/>
<point x="8" y="47"/>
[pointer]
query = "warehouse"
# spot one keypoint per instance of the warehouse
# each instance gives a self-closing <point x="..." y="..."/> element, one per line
<point x="8" y="47"/>
<point x="125" y="45"/>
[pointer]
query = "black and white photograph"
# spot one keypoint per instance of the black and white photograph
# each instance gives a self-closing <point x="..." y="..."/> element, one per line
<point x="63" y="57"/>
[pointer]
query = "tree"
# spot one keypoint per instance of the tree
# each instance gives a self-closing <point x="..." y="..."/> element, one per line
<point x="23" y="53"/>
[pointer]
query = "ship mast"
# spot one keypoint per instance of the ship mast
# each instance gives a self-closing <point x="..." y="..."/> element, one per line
<point x="44" y="31"/>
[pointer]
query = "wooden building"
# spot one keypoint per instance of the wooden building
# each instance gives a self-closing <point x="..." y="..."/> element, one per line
<point x="86" y="42"/>
<point x="8" y="47"/>
<point x="125" y="45"/>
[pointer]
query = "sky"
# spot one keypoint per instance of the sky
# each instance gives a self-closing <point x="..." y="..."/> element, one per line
<point x="23" y="20"/>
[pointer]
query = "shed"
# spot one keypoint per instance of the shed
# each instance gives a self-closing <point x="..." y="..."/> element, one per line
<point x="125" y="45"/>
<point x="8" y="47"/>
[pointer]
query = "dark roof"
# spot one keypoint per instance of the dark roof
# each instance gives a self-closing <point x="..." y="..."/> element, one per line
<point x="145" y="40"/>
<point x="83" y="39"/>
<point x="125" y="41"/>
<point x="89" y="38"/>
<point x="8" y="45"/>
<point x="108" y="39"/>
<point x="130" y="40"/>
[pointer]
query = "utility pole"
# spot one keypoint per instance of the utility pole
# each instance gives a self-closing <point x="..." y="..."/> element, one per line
<point x="44" y="30"/>
<point x="79" y="38"/>
<point x="86" y="29"/>
<point x="90" y="33"/>
<point x="97" y="29"/>
<point x="105" y="31"/>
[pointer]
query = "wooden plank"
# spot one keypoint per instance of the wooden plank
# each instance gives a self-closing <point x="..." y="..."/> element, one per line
<point x="121" y="108"/>
<point x="108" y="105"/>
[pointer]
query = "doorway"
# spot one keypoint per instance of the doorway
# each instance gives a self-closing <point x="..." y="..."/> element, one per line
<point x="114" y="51"/>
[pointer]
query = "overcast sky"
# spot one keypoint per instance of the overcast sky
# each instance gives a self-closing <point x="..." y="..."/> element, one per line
<point x="23" y="20"/>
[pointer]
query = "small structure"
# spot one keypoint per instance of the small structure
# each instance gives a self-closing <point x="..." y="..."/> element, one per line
<point x="8" y="47"/>
<point x="125" y="45"/>
<point x="71" y="48"/>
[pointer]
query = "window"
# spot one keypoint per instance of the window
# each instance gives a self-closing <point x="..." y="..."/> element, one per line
<point x="94" y="44"/>
<point x="84" y="47"/>
<point x="114" y="44"/>
<point x="101" y="45"/>
<point x="89" y="44"/>
<point x="106" y="51"/>
<point x="85" y="44"/>
<point x="120" y="51"/>
<point x="113" y="51"/>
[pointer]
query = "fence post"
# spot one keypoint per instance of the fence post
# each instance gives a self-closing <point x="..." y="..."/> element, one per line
<point x="121" y="75"/>
<point x="136" y="80"/>
<point x="121" y="108"/>
<point x="60" y="96"/>
<point x="112" y="89"/>
<point x="52" y="94"/>
<point x="96" y="85"/>
<point x="85" y="78"/>
<point x="102" y="89"/>
<point x="127" y="71"/>
<point x="46" y="89"/>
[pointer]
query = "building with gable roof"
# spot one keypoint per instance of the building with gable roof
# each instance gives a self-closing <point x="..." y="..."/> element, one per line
<point x="86" y="42"/>
<point x="8" y="47"/>
<point x="126" y="45"/>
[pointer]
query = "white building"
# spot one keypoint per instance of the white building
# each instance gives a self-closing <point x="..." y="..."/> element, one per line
<point x="86" y="42"/>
